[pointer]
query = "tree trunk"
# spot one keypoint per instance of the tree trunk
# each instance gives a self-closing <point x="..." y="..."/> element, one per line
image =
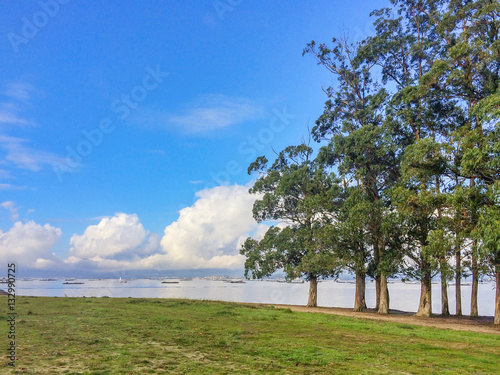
<point x="377" y="292"/>
<point x="425" y="307"/>
<point x="376" y="258"/>
<point x="363" y="292"/>
<point x="458" y="281"/>
<point x="497" y="301"/>
<point x="474" y="313"/>
<point x="359" y="299"/>
<point x="383" y="307"/>
<point x="445" y="308"/>
<point x="313" y="292"/>
<point x="458" y="261"/>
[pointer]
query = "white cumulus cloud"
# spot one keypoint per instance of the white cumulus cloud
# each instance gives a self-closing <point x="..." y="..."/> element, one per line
<point x="29" y="245"/>
<point x="210" y="233"/>
<point x="121" y="237"/>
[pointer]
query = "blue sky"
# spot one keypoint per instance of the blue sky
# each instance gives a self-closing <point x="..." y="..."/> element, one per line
<point x="127" y="127"/>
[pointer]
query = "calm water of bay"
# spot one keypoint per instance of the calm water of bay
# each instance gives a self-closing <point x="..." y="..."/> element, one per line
<point x="404" y="296"/>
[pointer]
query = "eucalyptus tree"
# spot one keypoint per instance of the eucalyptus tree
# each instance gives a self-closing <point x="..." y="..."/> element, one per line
<point x="301" y="196"/>
<point x="406" y="47"/>
<point x="361" y="146"/>
<point x="468" y="70"/>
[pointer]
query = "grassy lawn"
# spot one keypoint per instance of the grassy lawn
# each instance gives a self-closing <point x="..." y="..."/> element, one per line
<point x="150" y="336"/>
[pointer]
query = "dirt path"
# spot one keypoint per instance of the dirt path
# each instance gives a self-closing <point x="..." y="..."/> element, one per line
<point x="482" y="324"/>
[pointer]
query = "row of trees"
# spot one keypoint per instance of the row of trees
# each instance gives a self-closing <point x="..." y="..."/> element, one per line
<point x="407" y="176"/>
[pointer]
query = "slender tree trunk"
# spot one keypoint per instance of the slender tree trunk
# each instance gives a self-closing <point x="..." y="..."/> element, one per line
<point x="425" y="307"/>
<point x="497" y="301"/>
<point x="363" y="292"/>
<point x="383" y="295"/>
<point x="458" y="260"/>
<point x="445" y="308"/>
<point x="313" y="291"/>
<point x="359" y="299"/>
<point x="458" y="280"/>
<point x="474" y="313"/>
<point x="376" y="259"/>
<point x="383" y="307"/>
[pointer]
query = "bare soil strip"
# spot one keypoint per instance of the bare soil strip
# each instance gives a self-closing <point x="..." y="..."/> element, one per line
<point x="482" y="324"/>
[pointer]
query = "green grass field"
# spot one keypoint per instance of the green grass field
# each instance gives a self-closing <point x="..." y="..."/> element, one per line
<point x="150" y="336"/>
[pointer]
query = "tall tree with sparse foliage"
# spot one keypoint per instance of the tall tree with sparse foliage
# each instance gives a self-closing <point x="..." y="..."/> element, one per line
<point x="363" y="148"/>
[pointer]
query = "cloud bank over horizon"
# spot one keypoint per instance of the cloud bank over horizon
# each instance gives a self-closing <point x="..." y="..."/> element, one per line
<point x="206" y="235"/>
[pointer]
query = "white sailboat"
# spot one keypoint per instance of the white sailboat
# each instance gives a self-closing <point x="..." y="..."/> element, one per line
<point x="123" y="281"/>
